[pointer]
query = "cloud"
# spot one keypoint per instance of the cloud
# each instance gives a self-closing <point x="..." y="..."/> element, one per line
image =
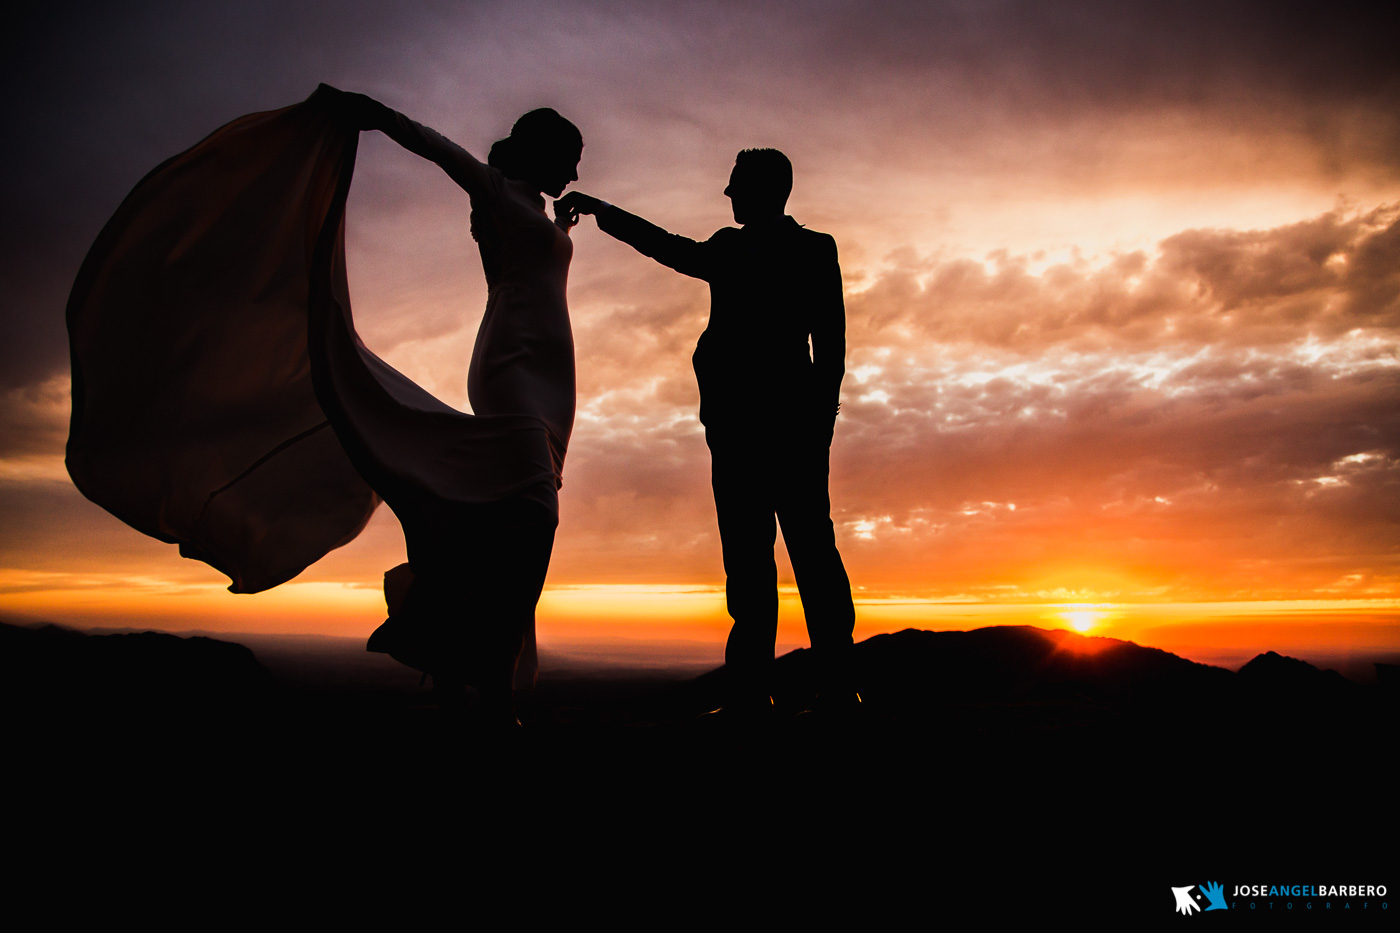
<point x="1322" y="278"/>
<point x="897" y="114"/>
<point x="34" y="421"/>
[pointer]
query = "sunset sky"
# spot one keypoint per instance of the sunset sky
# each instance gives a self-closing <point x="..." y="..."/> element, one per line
<point x="1122" y="289"/>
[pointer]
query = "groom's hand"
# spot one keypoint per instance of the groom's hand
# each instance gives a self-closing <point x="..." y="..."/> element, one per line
<point x="576" y="202"/>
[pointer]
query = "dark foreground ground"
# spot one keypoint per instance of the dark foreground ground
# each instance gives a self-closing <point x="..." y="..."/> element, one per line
<point x="1004" y="772"/>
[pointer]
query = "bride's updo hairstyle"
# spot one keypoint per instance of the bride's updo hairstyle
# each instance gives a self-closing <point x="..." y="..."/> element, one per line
<point x="537" y="139"/>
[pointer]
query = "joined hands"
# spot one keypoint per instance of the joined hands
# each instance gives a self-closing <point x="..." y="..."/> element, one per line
<point x="568" y="208"/>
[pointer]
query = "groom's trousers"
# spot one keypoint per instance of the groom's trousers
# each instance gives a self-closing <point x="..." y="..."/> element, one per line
<point x="759" y="473"/>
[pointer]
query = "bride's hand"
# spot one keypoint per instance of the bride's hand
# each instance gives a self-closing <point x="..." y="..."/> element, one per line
<point x="564" y="218"/>
<point x="356" y="111"/>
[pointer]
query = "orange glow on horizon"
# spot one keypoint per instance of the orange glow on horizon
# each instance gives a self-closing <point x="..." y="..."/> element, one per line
<point x="652" y="619"/>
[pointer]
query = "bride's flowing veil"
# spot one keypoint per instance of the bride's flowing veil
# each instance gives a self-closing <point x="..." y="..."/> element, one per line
<point x="203" y="415"/>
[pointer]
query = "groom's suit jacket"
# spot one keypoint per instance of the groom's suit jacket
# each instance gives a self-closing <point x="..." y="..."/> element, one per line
<point x="774" y="287"/>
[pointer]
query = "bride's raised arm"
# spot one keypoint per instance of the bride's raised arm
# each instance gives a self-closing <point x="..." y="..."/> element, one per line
<point x="366" y="113"/>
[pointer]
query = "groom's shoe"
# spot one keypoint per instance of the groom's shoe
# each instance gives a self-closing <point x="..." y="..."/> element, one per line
<point x="833" y="706"/>
<point x="748" y="713"/>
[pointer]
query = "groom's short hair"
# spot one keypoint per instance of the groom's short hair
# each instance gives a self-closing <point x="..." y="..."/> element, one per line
<point x="768" y="170"/>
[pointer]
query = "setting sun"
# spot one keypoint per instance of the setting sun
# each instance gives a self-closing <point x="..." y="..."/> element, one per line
<point x="1083" y="618"/>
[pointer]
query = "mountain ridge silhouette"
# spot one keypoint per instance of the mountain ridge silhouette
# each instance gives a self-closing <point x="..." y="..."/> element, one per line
<point x="908" y="671"/>
<point x="1001" y="753"/>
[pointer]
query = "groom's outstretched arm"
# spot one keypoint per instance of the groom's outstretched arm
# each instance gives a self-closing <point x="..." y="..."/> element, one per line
<point x="680" y="253"/>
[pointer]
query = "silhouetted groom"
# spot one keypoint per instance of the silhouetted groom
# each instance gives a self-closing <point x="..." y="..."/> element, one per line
<point x="769" y="408"/>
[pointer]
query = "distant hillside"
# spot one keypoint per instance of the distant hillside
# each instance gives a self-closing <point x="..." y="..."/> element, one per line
<point x="1015" y="677"/>
<point x="50" y="668"/>
<point x="913" y="674"/>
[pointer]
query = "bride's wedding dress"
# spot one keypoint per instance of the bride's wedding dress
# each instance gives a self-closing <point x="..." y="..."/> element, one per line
<point x="222" y="400"/>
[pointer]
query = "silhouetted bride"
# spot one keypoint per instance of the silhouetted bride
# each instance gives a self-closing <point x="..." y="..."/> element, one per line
<point x="213" y="346"/>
